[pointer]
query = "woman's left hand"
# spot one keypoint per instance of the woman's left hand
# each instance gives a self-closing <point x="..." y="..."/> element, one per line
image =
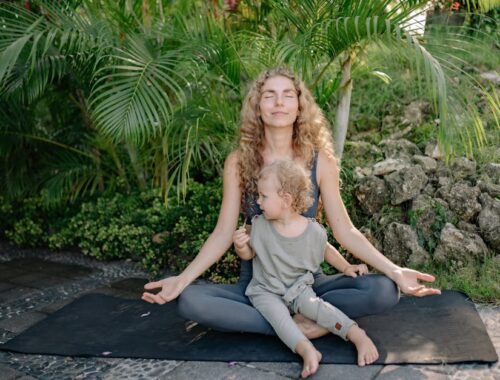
<point x="407" y="280"/>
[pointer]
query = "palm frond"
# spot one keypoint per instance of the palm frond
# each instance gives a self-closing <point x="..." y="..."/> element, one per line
<point x="136" y="95"/>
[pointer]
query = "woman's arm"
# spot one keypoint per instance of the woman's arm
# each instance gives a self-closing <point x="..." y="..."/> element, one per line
<point x="215" y="246"/>
<point x="354" y="241"/>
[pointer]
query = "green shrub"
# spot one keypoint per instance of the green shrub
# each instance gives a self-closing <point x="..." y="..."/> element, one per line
<point x="29" y="222"/>
<point x="140" y="227"/>
<point x="6" y="215"/>
<point x="183" y="241"/>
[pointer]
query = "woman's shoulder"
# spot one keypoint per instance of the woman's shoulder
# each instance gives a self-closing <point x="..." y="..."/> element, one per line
<point x="328" y="165"/>
<point x="231" y="163"/>
<point x="233" y="157"/>
<point x="327" y="158"/>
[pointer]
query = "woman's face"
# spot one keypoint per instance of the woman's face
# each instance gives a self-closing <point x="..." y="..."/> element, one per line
<point x="279" y="102"/>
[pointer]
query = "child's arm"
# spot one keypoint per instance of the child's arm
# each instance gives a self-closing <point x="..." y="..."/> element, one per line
<point x="336" y="260"/>
<point x="241" y="244"/>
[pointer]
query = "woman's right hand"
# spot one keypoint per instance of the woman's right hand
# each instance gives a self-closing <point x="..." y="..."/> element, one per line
<point x="171" y="287"/>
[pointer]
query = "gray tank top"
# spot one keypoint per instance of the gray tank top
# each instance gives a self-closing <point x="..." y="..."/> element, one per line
<point x="252" y="208"/>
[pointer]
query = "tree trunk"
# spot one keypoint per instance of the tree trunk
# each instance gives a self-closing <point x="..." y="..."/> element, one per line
<point x="343" y="106"/>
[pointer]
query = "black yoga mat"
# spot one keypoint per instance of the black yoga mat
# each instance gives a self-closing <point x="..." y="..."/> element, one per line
<point x="433" y="329"/>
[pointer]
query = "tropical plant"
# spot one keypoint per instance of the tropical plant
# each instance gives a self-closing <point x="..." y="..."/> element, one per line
<point x="144" y="94"/>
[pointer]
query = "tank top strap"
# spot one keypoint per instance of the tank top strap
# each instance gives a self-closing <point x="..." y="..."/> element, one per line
<point x="314" y="166"/>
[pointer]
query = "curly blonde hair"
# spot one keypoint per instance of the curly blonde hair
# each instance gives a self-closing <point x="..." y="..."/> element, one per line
<point x="311" y="131"/>
<point x="292" y="179"/>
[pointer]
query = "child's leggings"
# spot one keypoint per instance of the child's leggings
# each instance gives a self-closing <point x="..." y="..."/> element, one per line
<point x="277" y="312"/>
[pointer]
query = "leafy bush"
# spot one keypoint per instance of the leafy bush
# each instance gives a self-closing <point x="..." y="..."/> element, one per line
<point x="30" y="221"/>
<point x="138" y="227"/>
<point x="183" y="241"/>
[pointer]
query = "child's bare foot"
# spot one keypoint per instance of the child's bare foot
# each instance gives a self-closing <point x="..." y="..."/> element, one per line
<point x="311" y="357"/>
<point x="367" y="352"/>
<point x="309" y="328"/>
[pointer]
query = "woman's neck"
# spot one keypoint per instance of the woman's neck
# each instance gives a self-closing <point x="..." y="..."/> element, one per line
<point x="278" y="143"/>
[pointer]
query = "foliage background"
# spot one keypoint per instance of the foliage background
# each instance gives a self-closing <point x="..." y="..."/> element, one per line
<point x="115" y="116"/>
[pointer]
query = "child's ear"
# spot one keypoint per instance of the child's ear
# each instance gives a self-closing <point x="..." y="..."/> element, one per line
<point x="287" y="198"/>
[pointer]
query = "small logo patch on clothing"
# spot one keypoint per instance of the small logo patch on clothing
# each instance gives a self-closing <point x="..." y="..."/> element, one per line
<point x="338" y="326"/>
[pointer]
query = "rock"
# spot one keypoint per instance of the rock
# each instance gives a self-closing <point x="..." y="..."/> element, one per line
<point x="362" y="172"/>
<point x="429" y="190"/>
<point x="491" y="76"/>
<point x="427" y="163"/>
<point x="444" y="181"/>
<point x="459" y="247"/>
<point x="372" y="193"/>
<point x="432" y="150"/>
<point x="399" y="148"/>
<point x="359" y="152"/>
<point x="493" y="171"/>
<point x="489" y="221"/>
<point x="406" y="184"/>
<point x="469" y="227"/>
<point x="463" y="168"/>
<point x="389" y="214"/>
<point x="430" y="214"/>
<point x="443" y="170"/>
<point x="389" y="165"/>
<point x="389" y="122"/>
<point x="462" y="199"/>
<point x="401" y="245"/>
<point x="488" y="187"/>
<point x="414" y="112"/>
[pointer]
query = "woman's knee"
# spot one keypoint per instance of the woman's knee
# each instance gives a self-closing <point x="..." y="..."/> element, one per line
<point x="383" y="293"/>
<point x="190" y="303"/>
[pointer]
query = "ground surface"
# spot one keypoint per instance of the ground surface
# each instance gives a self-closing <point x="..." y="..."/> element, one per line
<point x="35" y="283"/>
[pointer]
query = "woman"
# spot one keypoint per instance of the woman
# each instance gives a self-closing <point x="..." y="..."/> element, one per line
<point x="280" y="120"/>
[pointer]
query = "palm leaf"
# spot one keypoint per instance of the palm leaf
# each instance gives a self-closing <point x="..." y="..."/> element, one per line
<point x="137" y="95"/>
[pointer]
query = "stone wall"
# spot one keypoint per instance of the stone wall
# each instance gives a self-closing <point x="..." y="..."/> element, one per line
<point x="450" y="212"/>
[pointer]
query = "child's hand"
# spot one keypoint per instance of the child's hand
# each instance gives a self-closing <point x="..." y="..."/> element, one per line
<point x="240" y="238"/>
<point x="351" y="270"/>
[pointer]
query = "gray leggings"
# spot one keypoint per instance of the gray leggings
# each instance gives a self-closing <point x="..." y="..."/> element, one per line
<point x="226" y="308"/>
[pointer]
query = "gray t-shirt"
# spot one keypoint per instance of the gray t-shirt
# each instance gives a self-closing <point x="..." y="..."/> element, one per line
<point x="280" y="261"/>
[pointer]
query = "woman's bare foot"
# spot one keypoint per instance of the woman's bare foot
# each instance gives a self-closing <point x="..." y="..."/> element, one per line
<point x="309" y="328"/>
<point x="311" y="357"/>
<point x="367" y="352"/>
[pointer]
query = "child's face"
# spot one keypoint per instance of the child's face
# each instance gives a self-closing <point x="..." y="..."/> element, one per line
<point x="270" y="202"/>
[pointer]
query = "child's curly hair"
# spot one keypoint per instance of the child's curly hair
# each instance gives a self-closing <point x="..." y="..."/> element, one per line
<point x="292" y="179"/>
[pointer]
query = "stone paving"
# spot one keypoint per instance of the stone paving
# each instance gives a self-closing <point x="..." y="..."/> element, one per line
<point x="36" y="283"/>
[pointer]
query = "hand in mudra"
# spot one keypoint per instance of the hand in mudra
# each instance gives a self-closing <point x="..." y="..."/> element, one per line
<point x="407" y="280"/>
<point x="171" y="287"/>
